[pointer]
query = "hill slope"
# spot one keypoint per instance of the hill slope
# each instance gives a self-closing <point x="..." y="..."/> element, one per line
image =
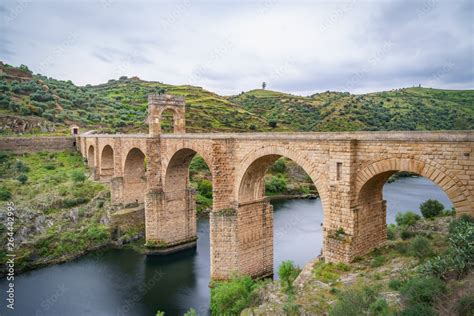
<point x="32" y="103"/>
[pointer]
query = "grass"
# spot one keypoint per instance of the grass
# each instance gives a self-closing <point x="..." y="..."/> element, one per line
<point x="50" y="184"/>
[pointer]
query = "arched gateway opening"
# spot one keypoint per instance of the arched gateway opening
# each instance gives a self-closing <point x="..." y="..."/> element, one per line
<point x="107" y="163"/>
<point x="371" y="221"/>
<point x="267" y="176"/>
<point x="134" y="177"/>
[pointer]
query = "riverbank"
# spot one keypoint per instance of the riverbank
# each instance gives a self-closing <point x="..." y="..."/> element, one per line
<point x="382" y="281"/>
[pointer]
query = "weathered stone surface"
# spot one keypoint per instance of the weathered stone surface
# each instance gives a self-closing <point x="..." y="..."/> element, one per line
<point x="348" y="169"/>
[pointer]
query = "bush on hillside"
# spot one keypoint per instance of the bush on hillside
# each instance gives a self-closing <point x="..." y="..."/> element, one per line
<point x="465" y="306"/>
<point x="406" y="219"/>
<point x="357" y="301"/>
<point x="422" y="290"/>
<point x="4" y="194"/>
<point x="276" y="184"/>
<point x="22" y="178"/>
<point x="78" y="176"/>
<point x="431" y="208"/>
<point x="459" y="258"/>
<point x="288" y="273"/>
<point x="420" y="247"/>
<point x="231" y="297"/>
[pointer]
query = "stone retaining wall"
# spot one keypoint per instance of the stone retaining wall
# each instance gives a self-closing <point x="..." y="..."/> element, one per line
<point x="34" y="144"/>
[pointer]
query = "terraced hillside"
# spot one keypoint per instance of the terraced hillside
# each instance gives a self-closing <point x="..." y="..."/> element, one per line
<point x="32" y="104"/>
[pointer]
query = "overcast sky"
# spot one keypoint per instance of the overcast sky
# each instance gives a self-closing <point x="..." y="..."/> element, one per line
<point x="229" y="47"/>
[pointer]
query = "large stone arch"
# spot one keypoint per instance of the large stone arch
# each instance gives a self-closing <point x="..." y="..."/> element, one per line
<point x="177" y="163"/>
<point x="107" y="163"/>
<point x="254" y="213"/>
<point x="378" y="171"/>
<point x="134" y="176"/>
<point x="370" y="207"/>
<point x="272" y="153"/>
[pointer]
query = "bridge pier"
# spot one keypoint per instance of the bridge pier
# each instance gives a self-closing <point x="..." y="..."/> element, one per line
<point x="116" y="190"/>
<point x="242" y="240"/>
<point x="170" y="220"/>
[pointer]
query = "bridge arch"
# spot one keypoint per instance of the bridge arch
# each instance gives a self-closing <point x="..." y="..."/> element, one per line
<point x="134" y="176"/>
<point x="91" y="156"/>
<point x="179" y="203"/>
<point x="249" y="179"/>
<point x="370" y="215"/>
<point x="107" y="163"/>
<point x="372" y="178"/>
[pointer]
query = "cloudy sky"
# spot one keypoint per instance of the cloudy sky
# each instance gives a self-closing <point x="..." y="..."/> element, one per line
<point x="232" y="46"/>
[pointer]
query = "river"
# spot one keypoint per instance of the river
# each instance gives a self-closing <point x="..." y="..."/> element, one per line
<point x="122" y="282"/>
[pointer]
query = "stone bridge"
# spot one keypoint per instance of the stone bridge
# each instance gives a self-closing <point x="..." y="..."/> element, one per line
<point x="348" y="169"/>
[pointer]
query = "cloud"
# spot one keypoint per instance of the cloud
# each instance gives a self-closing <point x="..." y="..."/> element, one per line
<point x="299" y="47"/>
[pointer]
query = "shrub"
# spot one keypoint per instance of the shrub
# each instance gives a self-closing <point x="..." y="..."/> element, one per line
<point x="354" y="301"/>
<point x="459" y="257"/>
<point x="287" y="272"/>
<point x="391" y="232"/>
<point x="326" y="272"/>
<point x="97" y="232"/>
<point x="406" y="219"/>
<point x="78" y="176"/>
<point x="272" y="123"/>
<point x="420" y="247"/>
<point x="231" y="297"/>
<point x="4" y="194"/>
<point x="379" y="307"/>
<point x="431" y="208"/>
<point x="378" y="261"/>
<point x="279" y="166"/>
<point x="22" y="178"/>
<point x="406" y="234"/>
<point x="21" y="167"/>
<point x="290" y="307"/>
<point x="191" y="312"/>
<point x="419" y="309"/>
<point x="205" y="188"/>
<point x="395" y="284"/>
<point x="49" y="166"/>
<point x="73" y="202"/>
<point x="276" y="184"/>
<point x="422" y="289"/>
<point x="465" y="306"/>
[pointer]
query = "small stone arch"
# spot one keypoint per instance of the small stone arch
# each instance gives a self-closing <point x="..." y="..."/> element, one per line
<point x="157" y="104"/>
<point x="265" y="156"/>
<point x="107" y="163"/>
<point x="134" y="176"/>
<point x="91" y="156"/>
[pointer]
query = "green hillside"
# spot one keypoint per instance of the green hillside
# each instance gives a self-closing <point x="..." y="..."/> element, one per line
<point x="32" y="104"/>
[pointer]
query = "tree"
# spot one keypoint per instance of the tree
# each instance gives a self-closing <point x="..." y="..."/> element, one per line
<point x="264" y="85"/>
<point x="431" y="208"/>
<point x="288" y="273"/>
<point x="272" y="123"/>
<point x="160" y="91"/>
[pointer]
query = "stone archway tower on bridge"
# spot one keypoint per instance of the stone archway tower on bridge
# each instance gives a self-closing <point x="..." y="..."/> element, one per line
<point x="159" y="103"/>
<point x="170" y="209"/>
